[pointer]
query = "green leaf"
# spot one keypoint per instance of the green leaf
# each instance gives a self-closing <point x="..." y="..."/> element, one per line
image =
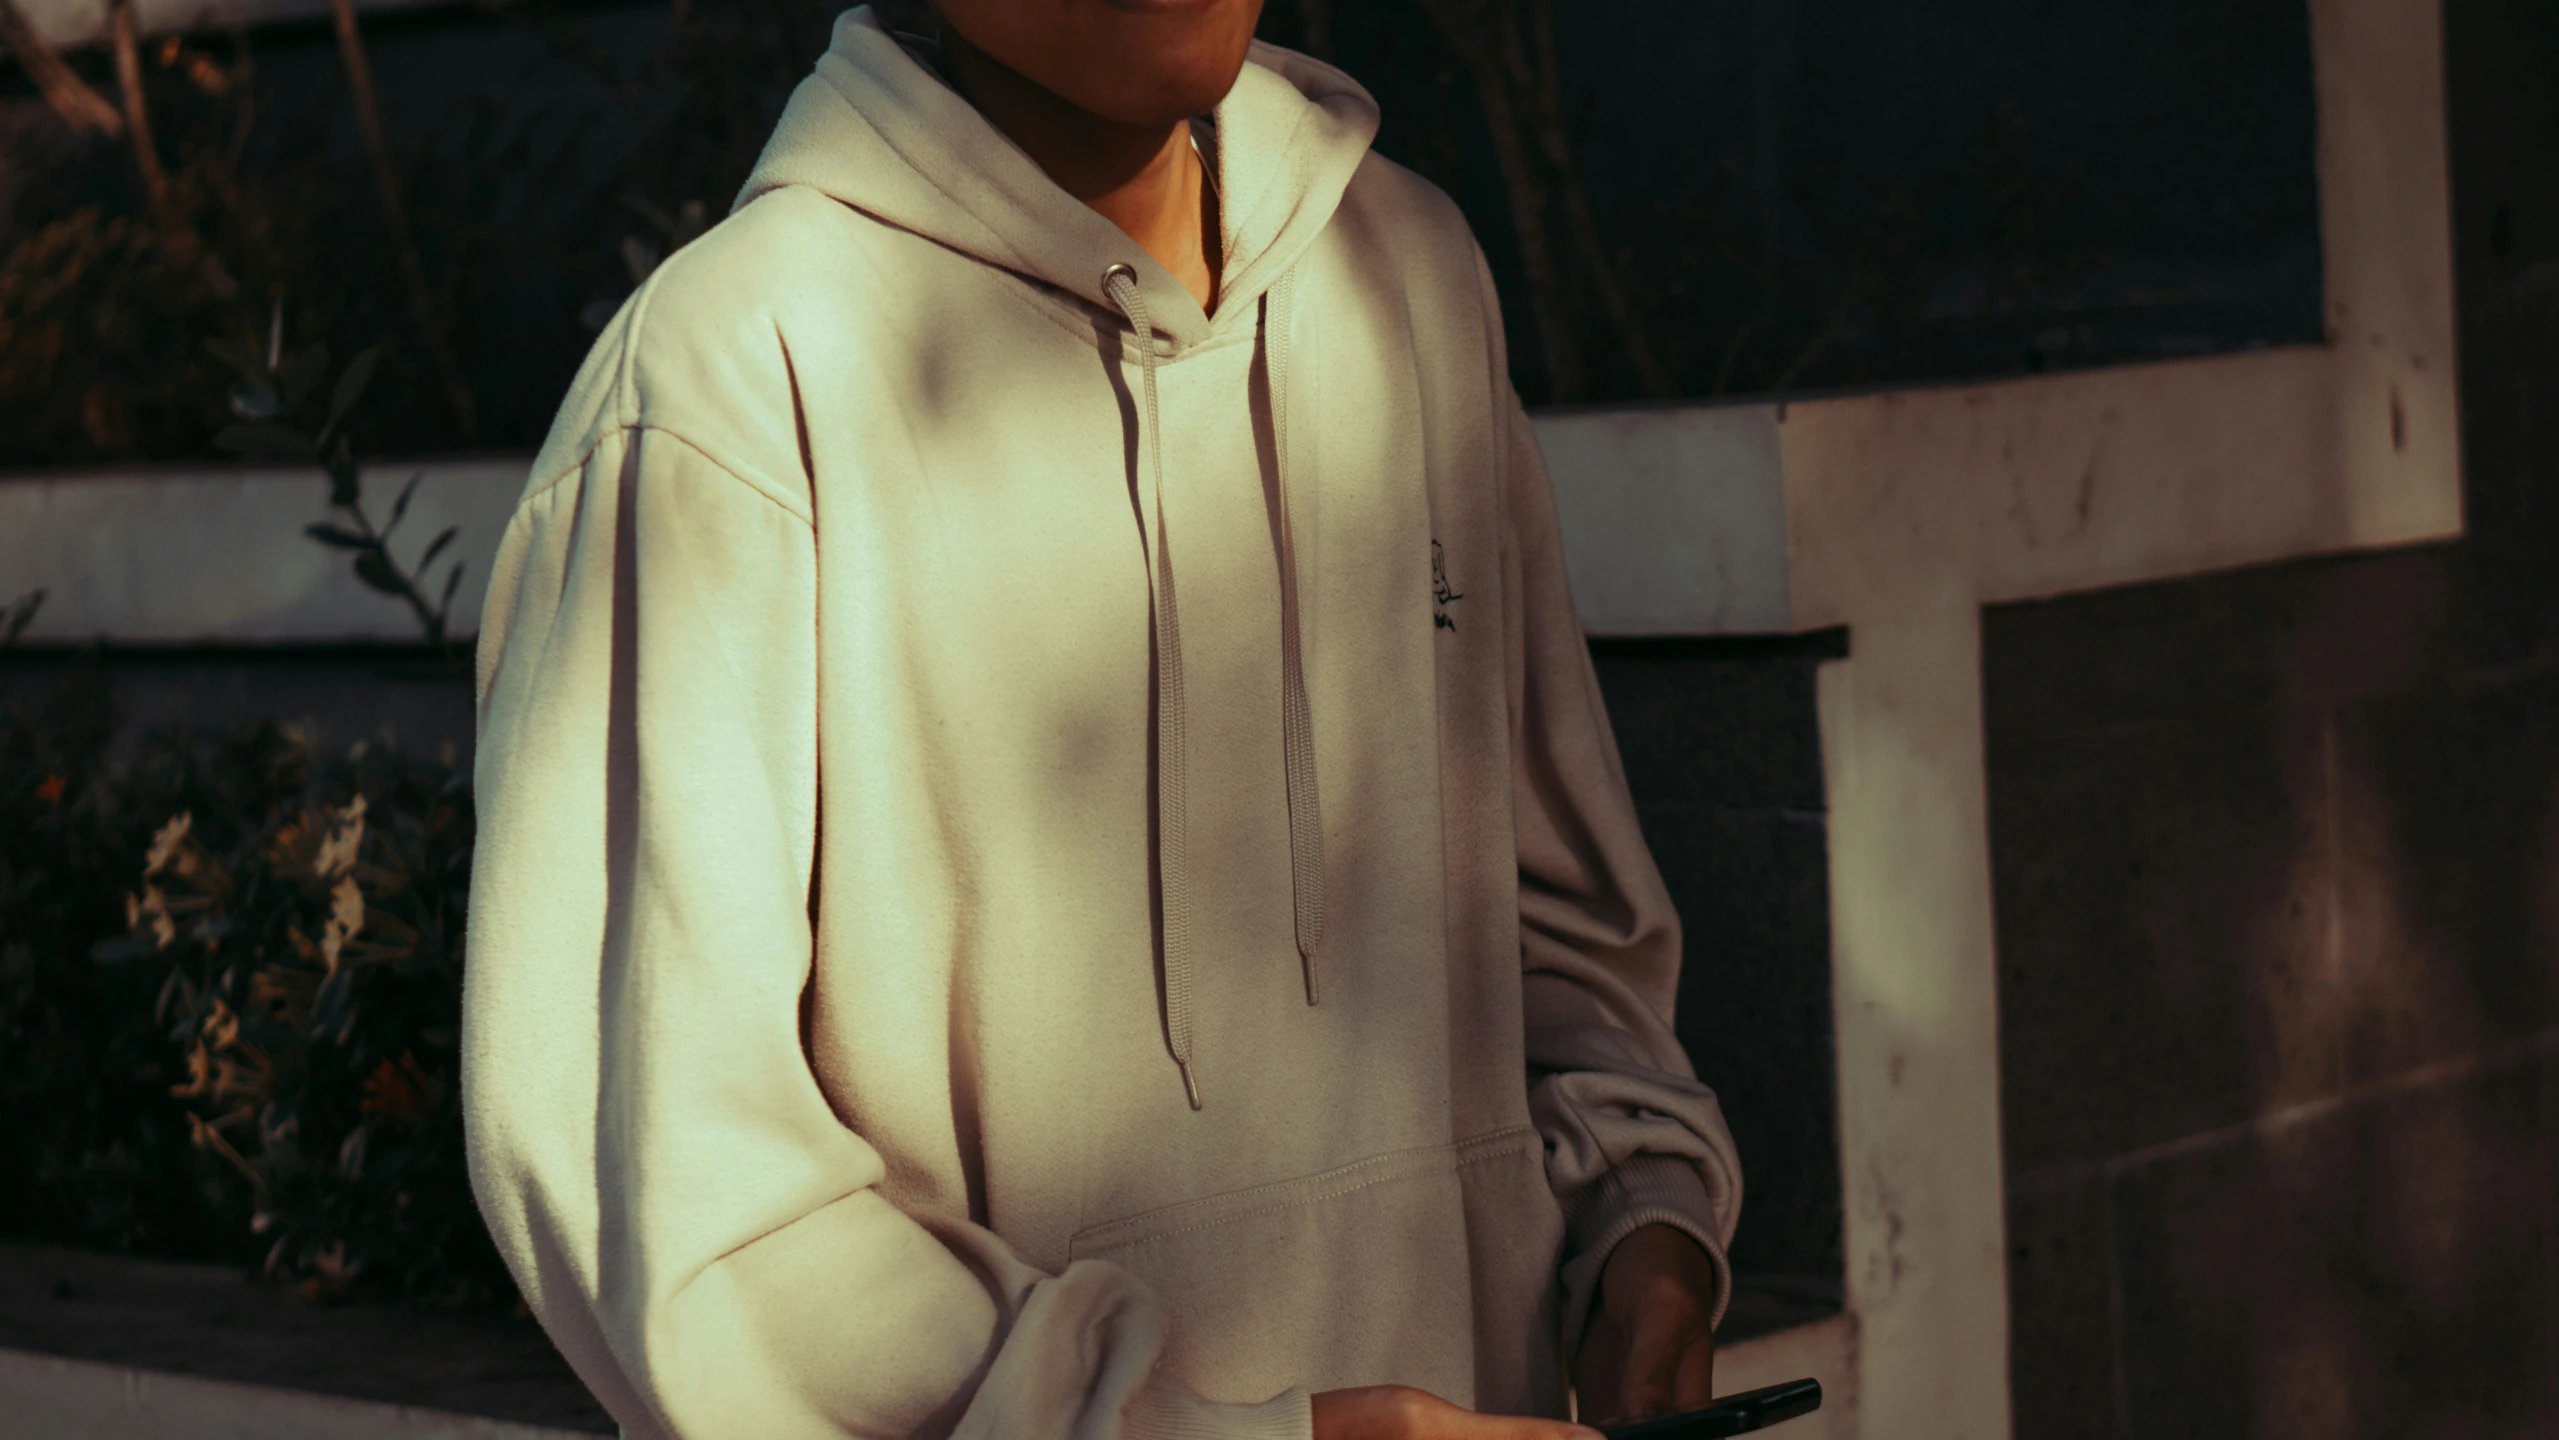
<point x="351" y="382"/>
<point x="20" y="613"/>
<point x="336" y="536"/>
<point x="255" y="401"/>
<point x="436" y="546"/>
<point x="375" y="571"/>
<point x="333" y="1009"/>
<point x="175" y="987"/>
<point x="400" y="506"/>
<point x="346" y="482"/>
<point x="264" y="442"/>
<point x="304" y="372"/>
<point x="452" y="580"/>
<point x="279" y="1127"/>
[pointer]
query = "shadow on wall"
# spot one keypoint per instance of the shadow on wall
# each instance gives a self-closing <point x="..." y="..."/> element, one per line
<point x="2276" y="858"/>
<point x="2277" y="868"/>
<point x="2275" y="917"/>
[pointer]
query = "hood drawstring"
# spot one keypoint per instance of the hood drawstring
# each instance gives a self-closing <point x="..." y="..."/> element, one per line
<point x="1297" y="723"/>
<point x="1172" y="777"/>
<point x="1297" y="727"/>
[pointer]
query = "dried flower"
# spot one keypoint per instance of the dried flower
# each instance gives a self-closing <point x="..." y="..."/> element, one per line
<point x="150" y="910"/>
<point x="165" y="842"/>
<point x="346" y="917"/>
<point x="402" y="1090"/>
<point x="337" y="853"/>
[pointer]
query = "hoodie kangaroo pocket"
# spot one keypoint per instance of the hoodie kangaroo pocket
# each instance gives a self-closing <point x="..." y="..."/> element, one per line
<point x="1362" y="1274"/>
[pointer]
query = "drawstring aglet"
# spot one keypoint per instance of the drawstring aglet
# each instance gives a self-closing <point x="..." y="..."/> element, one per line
<point x="1190" y="1086"/>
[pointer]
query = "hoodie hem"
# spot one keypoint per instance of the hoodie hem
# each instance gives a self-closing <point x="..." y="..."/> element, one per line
<point x="1166" y="1410"/>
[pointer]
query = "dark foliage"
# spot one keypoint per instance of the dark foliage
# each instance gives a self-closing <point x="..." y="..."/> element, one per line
<point x="550" y="153"/>
<point x="97" y="1150"/>
<point x="1734" y="198"/>
<point x="230" y="984"/>
<point x="291" y="410"/>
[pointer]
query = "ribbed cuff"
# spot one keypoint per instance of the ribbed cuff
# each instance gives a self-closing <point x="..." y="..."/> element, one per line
<point x="1639" y="1190"/>
<point x="1167" y="1410"/>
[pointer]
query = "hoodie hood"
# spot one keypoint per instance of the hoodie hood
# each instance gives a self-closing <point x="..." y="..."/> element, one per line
<point x="878" y="131"/>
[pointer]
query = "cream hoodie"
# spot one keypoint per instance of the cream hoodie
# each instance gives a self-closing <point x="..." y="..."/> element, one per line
<point x="940" y="707"/>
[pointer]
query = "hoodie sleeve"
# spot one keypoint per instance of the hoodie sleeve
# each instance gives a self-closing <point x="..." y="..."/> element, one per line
<point x="699" y="1231"/>
<point x="1631" y="1137"/>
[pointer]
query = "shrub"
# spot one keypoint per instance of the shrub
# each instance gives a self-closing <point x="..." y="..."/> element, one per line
<point x="260" y="1062"/>
<point x="93" y="1149"/>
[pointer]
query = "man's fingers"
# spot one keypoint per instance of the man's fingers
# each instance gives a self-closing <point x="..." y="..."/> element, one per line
<point x="1599" y="1371"/>
<point x="1653" y="1296"/>
<point x="1522" y="1427"/>
<point x="1696" y="1387"/>
<point x="1453" y="1423"/>
<point x="1401" y="1412"/>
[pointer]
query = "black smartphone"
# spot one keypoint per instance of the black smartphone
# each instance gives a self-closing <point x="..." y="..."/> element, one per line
<point x="1732" y="1415"/>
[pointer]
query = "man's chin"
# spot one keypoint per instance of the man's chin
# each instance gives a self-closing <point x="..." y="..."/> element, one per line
<point x="1169" y="102"/>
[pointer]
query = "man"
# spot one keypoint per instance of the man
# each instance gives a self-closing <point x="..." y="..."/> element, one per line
<point x="1051" y="862"/>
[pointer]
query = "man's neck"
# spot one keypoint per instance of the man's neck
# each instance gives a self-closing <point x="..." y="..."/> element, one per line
<point x="1147" y="180"/>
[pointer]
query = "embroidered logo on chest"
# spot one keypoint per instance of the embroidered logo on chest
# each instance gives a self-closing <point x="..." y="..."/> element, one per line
<point x="1443" y="594"/>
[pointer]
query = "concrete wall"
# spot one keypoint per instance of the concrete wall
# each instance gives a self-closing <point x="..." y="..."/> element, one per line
<point x="2276" y="865"/>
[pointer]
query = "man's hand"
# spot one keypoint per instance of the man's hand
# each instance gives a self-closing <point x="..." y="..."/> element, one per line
<point x="1649" y="1351"/>
<point x="1400" y="1412"/>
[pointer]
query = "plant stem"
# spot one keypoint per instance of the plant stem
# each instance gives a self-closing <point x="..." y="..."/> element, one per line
<point x="431" y="618"/>
<point x="428" y="618"/>
<point x="64" y="90"/>
<point x="395" y="214"/>
<point x="185" y="247"/>
<point x="137" y="118"/>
